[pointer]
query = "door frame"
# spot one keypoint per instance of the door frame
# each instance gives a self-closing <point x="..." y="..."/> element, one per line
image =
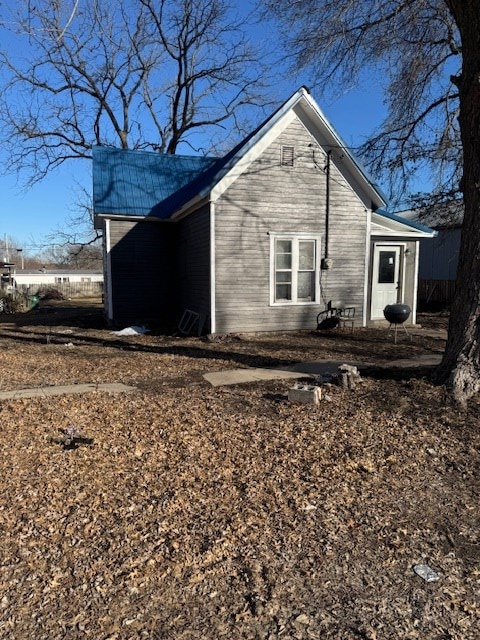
<point x="401" y="271"/>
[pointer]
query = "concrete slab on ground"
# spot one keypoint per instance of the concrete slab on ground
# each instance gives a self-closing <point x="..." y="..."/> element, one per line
<point x="295" y="371"/>
<point x="47" y="392"/>
<point x="310" y="369"/>
<point x="426" y="360"/>
<point x="239" y="376"/>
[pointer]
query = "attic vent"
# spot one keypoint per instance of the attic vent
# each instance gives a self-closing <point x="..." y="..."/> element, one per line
<point x="287" y="156"/>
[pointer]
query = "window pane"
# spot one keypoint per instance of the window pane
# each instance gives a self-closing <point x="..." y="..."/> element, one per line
<point x="284" y="261"/>
<point x="295" y="274"/>
<point x="306" y="285"/>
<point x="284" y="277"/>
<point x="284" y="246"/>
<point x="283" y="254"/>
<point x="386" y="267"/>
<point x="306" y="255"/>
<point x="283" y="292"/>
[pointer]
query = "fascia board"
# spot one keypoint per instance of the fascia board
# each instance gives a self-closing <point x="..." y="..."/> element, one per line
<point x="394" y="228"/>
<point x="332" y="139"/>
<point x="126" y="217"/>
<point x="189" y="207"/>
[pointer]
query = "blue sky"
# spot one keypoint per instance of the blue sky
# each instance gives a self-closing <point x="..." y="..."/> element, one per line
<point x="31" y="215"/>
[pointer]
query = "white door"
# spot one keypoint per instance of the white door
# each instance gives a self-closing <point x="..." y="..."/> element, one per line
<point x="386" y="285"/>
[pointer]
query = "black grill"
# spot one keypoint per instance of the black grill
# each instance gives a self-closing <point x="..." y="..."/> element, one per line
<point x="397" y="313"/>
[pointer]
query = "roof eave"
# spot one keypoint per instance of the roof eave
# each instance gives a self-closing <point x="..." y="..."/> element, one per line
<point x="378" y="198"/>
<point x="405" y="227"/>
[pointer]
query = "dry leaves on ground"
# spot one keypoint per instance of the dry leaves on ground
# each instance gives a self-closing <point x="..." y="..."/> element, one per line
<point x="201" y="512"/>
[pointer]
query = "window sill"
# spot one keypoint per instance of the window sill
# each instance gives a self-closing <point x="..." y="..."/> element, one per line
<point x="294" y="304"/>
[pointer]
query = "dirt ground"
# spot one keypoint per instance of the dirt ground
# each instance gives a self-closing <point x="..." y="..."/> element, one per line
<point x="192" y="512"/>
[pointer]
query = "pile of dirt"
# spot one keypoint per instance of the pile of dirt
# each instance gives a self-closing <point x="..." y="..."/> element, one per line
<point x="186" y="511"/>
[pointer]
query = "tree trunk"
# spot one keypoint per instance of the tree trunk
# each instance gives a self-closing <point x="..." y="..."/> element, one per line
<point x="460" y="367"/>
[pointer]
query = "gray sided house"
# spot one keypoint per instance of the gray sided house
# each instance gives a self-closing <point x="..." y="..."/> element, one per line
<point x="259" y="240"/>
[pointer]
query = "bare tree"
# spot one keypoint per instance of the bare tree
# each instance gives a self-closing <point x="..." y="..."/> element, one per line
<point x="413" y="45"/>
<point x="81" y="256"/>
<point x="141" y="74"/>
<point x="426" y="51"/>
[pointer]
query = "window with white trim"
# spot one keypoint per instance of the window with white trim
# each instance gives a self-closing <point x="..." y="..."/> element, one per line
<point x="295" y="269"/>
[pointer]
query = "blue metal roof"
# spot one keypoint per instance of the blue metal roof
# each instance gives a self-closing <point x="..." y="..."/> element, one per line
<point x="204" y="181"/>
<point x="133" y="183"/>
<point x="152" y="184"/>
<point x="145" y="183"/>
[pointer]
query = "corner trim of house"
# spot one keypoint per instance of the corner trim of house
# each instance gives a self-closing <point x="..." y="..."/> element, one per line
<point x="109" y="271"/>
<point x="367" y="268"/>
<point x="213" y="323"/>
<point x="415" y="282"/>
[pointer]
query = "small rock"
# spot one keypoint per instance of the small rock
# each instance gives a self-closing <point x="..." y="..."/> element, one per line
<point x="302" y="619"/>
<point x="425" y="572"/>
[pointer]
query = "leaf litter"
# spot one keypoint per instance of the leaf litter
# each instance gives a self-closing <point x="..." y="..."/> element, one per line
<point x="196" y="512"/>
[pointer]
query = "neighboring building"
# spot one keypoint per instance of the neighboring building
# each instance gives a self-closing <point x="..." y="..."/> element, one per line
<point x="54" y="276"/>
<point x="71" y="283"/>
<point x="259" y="240"/>
<point x="437" y="271"/>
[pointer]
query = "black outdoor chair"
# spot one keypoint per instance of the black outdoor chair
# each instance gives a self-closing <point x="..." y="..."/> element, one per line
<point x="334" y="317"/>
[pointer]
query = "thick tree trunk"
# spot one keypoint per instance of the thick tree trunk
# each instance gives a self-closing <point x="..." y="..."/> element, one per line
<point x="460" y="368"/>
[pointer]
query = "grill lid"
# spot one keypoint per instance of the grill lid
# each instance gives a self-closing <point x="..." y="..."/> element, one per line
<point x="397" y="313"/>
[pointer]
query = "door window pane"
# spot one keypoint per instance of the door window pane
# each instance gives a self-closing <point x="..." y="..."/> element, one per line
<point x="386" y="267"/>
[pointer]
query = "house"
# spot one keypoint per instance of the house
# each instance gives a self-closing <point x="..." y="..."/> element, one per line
<point x="437" y="271"/>
<point x="258" y="240"/>
<point x="70" y="282"/>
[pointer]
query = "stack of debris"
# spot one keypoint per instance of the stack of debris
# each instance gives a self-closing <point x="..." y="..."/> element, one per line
<point x="347" y="377"/>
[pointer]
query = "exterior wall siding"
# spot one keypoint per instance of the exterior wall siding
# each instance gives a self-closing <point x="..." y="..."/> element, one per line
<point x="193" y="264"/>
<point x="141" y="255"/>
<point x="439" y="255"/>
<point x="270" y="198"/>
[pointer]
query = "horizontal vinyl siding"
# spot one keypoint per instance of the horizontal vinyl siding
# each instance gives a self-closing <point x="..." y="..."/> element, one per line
<point x="193" y="264"/>
<point x="271" y="198"/>
<point x="141" y="255"/>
